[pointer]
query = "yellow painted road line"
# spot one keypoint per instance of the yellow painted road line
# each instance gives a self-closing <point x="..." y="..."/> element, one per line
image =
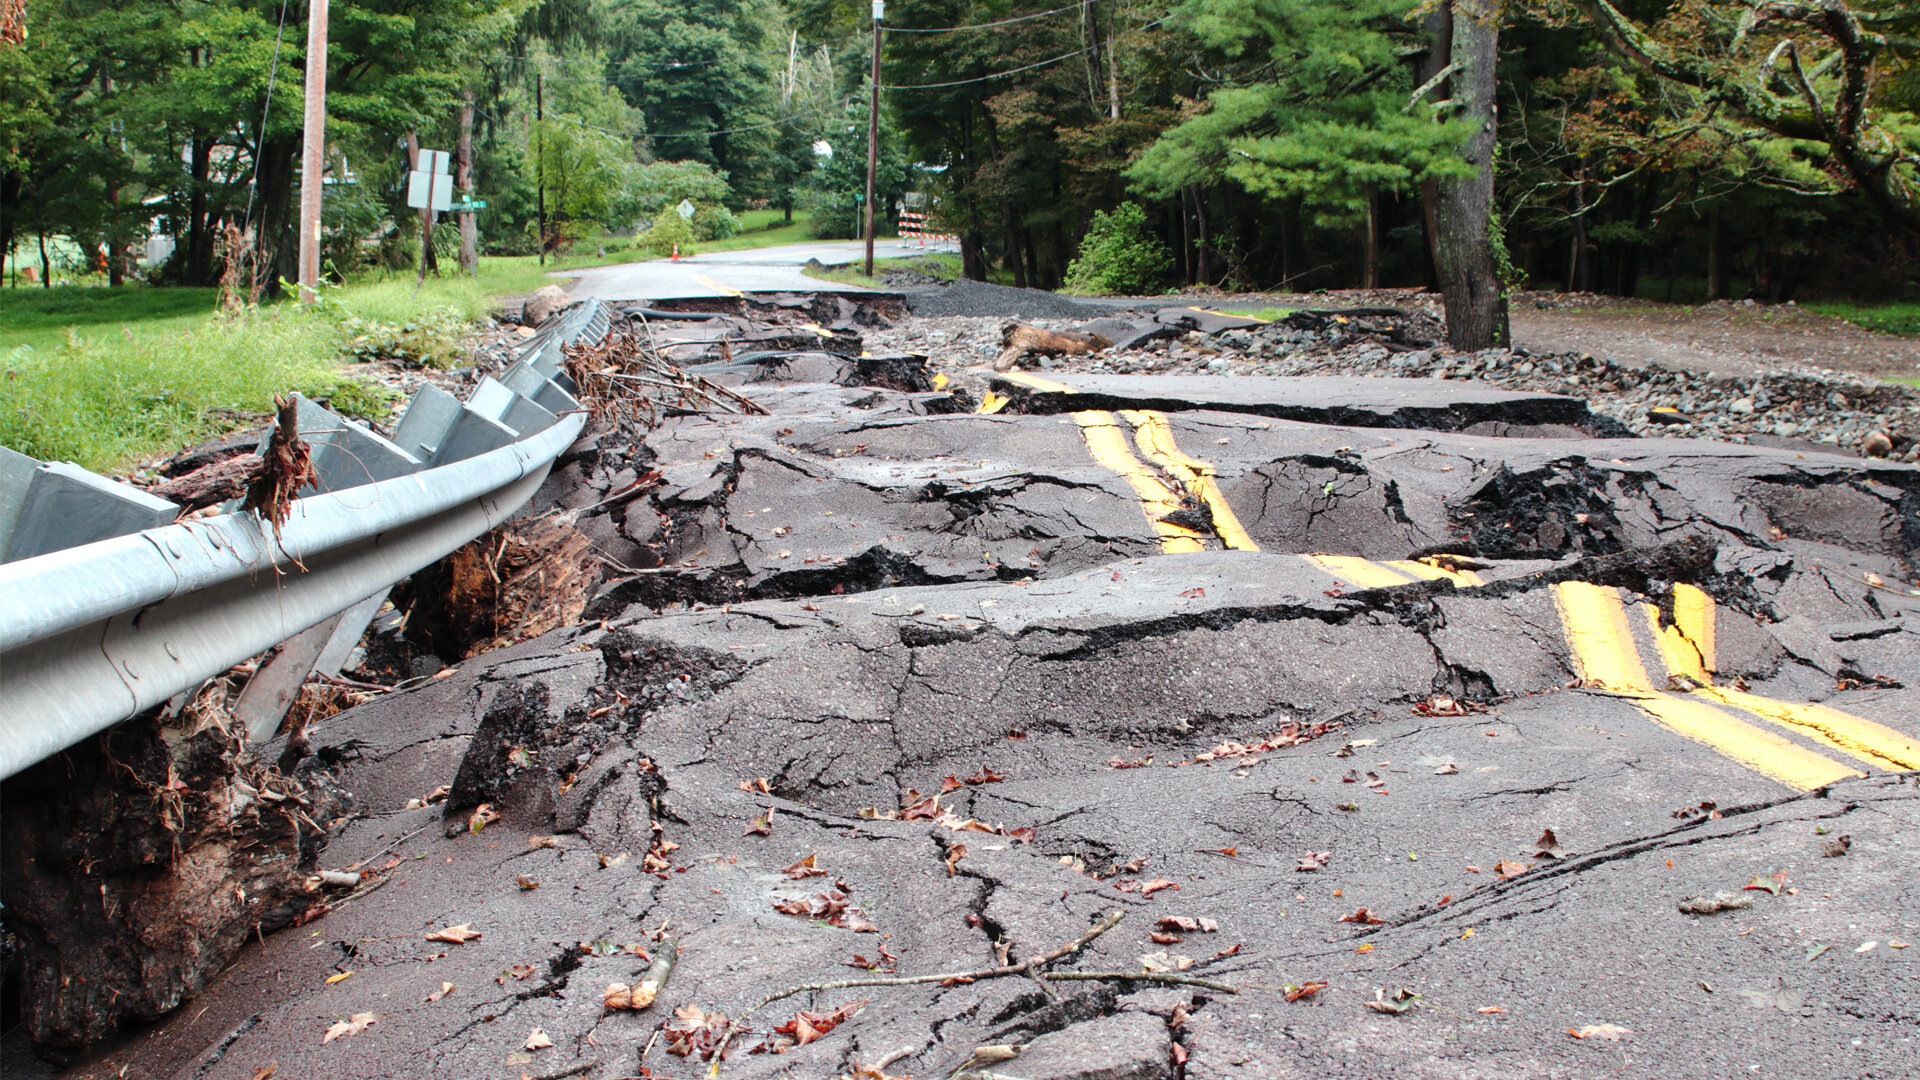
<point x="1108" y="445"/>
<point x="1154" y="436"/>
<point x="1035" y="382"/>
<point x="714" y="285"/>
<point x="1427" y="571"/>
<point x="1683" y="652"/>
<point x="1595" y="622"/>
<point x="1354" y="570"/>
<point x="991" y="402"/>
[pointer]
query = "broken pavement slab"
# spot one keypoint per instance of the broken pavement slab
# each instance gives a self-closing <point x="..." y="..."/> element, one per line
<point x="1432" y="404"/>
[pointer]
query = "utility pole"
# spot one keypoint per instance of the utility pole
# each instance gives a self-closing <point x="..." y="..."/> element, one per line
<point x="313" y="150"/>
<point x="540" y="157"/>
<point x="873" y="127"/>
<point x="463" y="179"/>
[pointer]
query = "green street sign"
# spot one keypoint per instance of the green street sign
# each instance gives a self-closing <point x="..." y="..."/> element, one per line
<point x="468" y="207"/>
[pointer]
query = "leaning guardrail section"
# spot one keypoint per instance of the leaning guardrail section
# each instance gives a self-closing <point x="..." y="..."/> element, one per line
<point x="108" y="606"/>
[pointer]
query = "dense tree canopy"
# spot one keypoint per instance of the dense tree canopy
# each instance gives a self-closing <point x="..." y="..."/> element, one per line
<point x="1687" y="148"/>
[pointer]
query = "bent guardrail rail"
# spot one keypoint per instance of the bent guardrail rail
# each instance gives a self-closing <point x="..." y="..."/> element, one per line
<point x="94" y="633"/>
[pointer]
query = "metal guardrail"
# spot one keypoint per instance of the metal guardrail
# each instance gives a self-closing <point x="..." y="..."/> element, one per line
<point x="98" y="629"/>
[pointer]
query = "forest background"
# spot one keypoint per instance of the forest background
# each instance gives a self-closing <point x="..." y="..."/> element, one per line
<point x="1686" y="149"/>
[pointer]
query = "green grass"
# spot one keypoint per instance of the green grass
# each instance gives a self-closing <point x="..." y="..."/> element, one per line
<point x="1902" y="320"/>
<point x="107" y="377"/>
<point x="946" y="267"/>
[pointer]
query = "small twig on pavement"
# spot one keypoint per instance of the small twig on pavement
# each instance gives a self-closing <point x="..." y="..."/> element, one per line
<point x="1144" y="976"/>
<point x="574" y="1069"/>
<point x="1025" y="968"/>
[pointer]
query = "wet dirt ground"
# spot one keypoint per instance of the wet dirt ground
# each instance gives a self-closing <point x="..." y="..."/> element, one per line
<point x="1414" y="728"/>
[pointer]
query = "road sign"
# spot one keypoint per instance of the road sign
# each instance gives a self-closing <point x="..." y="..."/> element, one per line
<point x="685" y="208"/>
<point x="429" y="187"/>
<point x="468" y="207"/>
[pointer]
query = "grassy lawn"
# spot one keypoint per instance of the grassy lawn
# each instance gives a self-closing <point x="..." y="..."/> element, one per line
<point x="107" y="377"/>
<point x="1902" y="320"/>
<point x="946" y="267"/>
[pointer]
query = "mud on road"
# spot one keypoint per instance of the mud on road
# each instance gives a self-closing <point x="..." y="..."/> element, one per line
<point x="1410" y="725"/>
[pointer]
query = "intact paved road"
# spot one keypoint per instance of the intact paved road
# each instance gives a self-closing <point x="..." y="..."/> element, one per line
<point x="728" y="273"/>
<point x="1455" y="739"/>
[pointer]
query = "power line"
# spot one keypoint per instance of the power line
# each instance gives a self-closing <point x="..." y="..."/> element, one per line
<point x="1018" y="70"/>
<point x="977" y="26"/>
<point x="985" y="78"/>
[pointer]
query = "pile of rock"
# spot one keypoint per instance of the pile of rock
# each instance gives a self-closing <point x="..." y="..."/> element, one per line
<point x="1788" y="406"/>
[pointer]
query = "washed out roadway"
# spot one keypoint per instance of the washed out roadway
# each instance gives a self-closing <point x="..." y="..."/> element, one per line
<point x="1107" y="603"/>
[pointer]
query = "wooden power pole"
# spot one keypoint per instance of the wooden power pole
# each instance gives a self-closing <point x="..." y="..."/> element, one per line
<point x="873" y="128"/>
<point x="540" y="156"/>
<point x="313" y="150"/>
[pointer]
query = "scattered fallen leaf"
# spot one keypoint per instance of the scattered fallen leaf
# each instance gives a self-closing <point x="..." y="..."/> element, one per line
<point x="331" y="979"/>
<point x="1609" y="1032"/>
<point x="986" y="776"/>
<point x="352" y="1025"/>
<point x="1313" y="860"/>
<point x="1367" y="948"/>
<point x="1467" y="933"/>
<point x="482" y="816"/>
<point x="457" y="935"/>
<point x="445" y="989"/>
<point x="805" y="1027"/>
<point x="1348" y="806"/>
<point x="758" y="783"/>
<point x="954" y="855"/>
<point x="1868" y="946"/>
<point x="1818" y="950"/>
<point x="1547" y="847"/>
<point x="1896" y="943"/>
<point x="614" y="860"/>
<point x="541" y="842"/>
<point x="516" y="972"/>
<point x="526" y="883"/>
<point x="1304" y="990"/>
<point x="537" y="1040"/>
<point x="1509" y="868"/>
<point x="1363" y="917"/>
<point x="1160" y="938"/>
<point x="833" y="907"/>
<point x="267" y="1072"/>
<point x="1160" y="963"/>
<point x="1148" y="888"/>
<point x="1193" y="593"/>
<point x="1768" y="883"/>
<point x="1402" y="1000"/>
<point x="694" y="1032"/>
<point x="1491" y="1009"/>
<point x="1449" y="769"/>
<point x="761" y="825"/>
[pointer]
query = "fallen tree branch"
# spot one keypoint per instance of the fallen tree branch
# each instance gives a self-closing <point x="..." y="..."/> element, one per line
<point x="1025" y="968"/>
<point x="1143" y="976"/>
<point x="574" y="1069"/>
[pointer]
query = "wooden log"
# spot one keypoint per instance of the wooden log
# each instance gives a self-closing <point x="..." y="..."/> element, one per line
<point x="1020" y="340"/>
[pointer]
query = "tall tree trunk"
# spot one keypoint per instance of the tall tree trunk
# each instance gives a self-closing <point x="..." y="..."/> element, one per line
<point x="1719" y="272"/>
<point x="199" y="234"/>
<point x="1203" y="268"/>
<point x="1113" y="71"/>
<point x="46" y="264"/>
<point x="276" y="237"/>
<point x="1438" y="28"/>
<point x="1370" y="257"/>
<point x="1469" y="279"/>
<point x="1580" y="257"/>
<point x="463" y="179"/>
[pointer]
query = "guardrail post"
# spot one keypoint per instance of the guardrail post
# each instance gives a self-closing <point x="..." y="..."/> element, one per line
<point x="66" y="506"/>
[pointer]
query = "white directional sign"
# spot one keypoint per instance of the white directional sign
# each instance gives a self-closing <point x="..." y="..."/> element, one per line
<point x="429" y="187"/>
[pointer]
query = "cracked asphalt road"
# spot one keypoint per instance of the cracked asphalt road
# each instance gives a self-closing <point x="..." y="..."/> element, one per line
<point x="1317" y="662"/>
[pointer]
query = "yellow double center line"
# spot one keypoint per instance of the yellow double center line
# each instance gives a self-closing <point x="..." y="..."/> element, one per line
<point x="1601" y="639"/>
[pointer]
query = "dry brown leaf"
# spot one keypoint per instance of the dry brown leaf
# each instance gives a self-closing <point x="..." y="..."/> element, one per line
<point x="805" y="868"/>
<point x="353" y="1025"/>
<point x="267" y="1072"/>
<point x="1304" y="990"/>
<point x="537" y="1040"/>
<point x="1609" y="1032"/>
<point x="1313" y="860"/>
<point x="1491" y="1009"/>
<point x="954" y="855"/>
<point x="1547" y="847"/>
<point x="457" y="935"/>
<point x="1148" y="888"/>
<point x="445" y="989"/>
<point x="482" y="816"/>
<point x="526" y="883"/>
<point x="1363" y="917"/>
<point x="1510" y="868"/>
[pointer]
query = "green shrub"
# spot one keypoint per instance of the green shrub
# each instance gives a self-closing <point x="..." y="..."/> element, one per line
<point x="669" y="229"/>
<point x="1119" y="255"/>
<point x="429" y="339"/>
<point x="715" y="223"/>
